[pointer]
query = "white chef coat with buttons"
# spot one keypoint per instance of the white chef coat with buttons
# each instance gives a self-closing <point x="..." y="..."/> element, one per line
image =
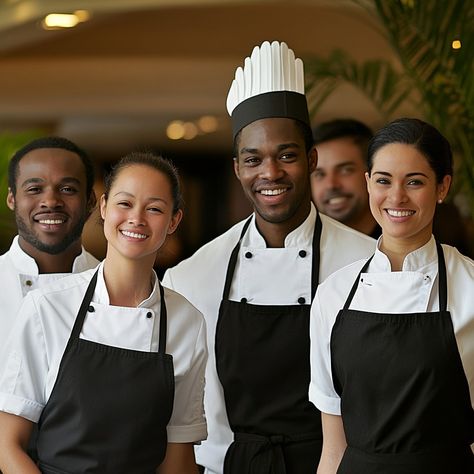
<point x="263" y="276"/>
<point x="37" y="342"/>
<point x="412" y="290"/>
<point x="19" y="274"/>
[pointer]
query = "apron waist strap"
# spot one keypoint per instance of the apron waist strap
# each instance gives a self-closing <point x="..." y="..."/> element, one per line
<point x="264" y="453"/>
<point x="275" y="440"/>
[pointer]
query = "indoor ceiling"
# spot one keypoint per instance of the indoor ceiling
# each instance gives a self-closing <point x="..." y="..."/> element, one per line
<point x="114" y="82"/>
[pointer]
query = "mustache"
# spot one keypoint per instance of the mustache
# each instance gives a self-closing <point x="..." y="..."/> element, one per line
<point x="335" y="194"/>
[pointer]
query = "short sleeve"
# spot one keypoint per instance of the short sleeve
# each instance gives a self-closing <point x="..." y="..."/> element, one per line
<point x="321" y="389"/>
<point x="24" y="365"/>
<point x="188" y="423"/>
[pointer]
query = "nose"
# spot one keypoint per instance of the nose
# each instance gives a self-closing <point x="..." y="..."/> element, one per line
<point x="398" y="194"/>
<point x="271" y="169"/>
<point x="52" y="199"/>
<point x="136" y="218"/>
<point x="331" y="181"/>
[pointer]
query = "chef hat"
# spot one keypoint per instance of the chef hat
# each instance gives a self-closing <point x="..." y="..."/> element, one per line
<point x="271" y="84"/>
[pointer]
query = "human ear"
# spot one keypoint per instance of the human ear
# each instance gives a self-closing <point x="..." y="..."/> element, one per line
<point x="10" y="200"/>
<point x="313" y="159"/>
<point x="103" y="205"/>
<point x="443" y="187"/>
<point x="236" y="167"/>
<point x="175" y="220"/>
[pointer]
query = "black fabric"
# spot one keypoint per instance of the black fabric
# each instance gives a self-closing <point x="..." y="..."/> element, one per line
<point x="287" y="104"/>
<point x="109" y="407"/>
<point x="404" y="394"/>
<point x="262" y="358"/>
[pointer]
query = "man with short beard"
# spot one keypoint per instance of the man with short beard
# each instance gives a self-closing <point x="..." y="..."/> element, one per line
<point x="50" y="191"/>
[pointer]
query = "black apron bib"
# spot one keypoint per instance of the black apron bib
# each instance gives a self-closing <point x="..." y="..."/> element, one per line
<point x="109" y="407"/>
<point x="262" y="358"/>
<point x="405" y="399"/>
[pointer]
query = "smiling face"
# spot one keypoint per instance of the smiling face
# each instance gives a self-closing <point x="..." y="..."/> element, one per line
<point x="403" y="194"/>
<point x="138" y="213"/>
<point x="338" y="184"/>
<point x="273" y="168"/>
<point x="50" y="202"/>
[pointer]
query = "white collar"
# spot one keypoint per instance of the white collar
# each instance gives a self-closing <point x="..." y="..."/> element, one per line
<point x="416" y="261"/>
<point x="101" y="295"/>
<point x="302" y="236"/>
<point x="26" y="265"/>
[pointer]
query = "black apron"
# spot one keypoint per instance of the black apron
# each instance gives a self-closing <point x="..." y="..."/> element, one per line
<point x="109" y="407"/>
<point x="262" y="358"/>
<point x="405" y="399"/>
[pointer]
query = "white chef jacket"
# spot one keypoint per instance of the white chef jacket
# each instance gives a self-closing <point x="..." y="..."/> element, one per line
<point x="38" y="340"/>
<point x="273" y="276"/>
<point x="19" y="274"/>
<point x="412" y="290"/>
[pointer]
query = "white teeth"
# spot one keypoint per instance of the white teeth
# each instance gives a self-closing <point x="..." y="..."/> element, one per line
<point x="394" y="213"/>
<point x="134" y="235"/>
<point x="336" y="200"/>
<point x="51" y="221"/>
<point x="272" y="192"/>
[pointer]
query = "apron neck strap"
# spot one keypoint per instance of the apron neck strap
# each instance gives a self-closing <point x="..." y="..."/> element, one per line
<point x="233" y="261"/>
<point x="318" y="228"/>
<point x="81" y="315"/>
<point x="163" y="321"/>
<point x="442" y="280"/>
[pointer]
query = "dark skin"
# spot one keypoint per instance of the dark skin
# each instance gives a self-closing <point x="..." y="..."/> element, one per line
<point x="274" y="170"/>
<point x="51" y="206"/>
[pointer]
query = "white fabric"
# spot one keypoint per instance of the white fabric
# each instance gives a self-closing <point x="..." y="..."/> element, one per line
<point x="414" y="289"/>
<point x="37" y="342"/>
<point x="270" y="68"/>
<point x="19" y="274"/>
<point x="274" y="276"/>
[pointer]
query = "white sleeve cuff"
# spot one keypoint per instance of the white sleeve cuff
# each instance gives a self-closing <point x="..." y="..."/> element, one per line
<point x="187" y="434"/>
<point x="21" y="407"/>
<point x="325" y="404"/>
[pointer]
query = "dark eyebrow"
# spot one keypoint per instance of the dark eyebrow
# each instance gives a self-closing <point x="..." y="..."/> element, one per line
<point x="150" y="199"/>
<point x="408" y="175"/>
<point x="67" y="179"/>
<point x="281" y="147"/>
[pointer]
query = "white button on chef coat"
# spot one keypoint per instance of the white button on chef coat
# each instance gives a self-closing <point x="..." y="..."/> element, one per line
<point x="272" y="276"/>
<point x="19" y="274"/>
<point x="412" y="290"/>
<point x="38" y="340"/>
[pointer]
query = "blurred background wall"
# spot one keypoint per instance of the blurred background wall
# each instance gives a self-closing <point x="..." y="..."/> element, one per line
<point x="154" y="74"/>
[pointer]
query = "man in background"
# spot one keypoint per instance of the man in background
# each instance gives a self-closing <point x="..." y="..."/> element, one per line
<point x="338" y="184"/>
<point x="50" y="190"/>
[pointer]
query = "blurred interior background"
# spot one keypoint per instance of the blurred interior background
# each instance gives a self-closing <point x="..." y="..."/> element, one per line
<point x="154" y="74"/>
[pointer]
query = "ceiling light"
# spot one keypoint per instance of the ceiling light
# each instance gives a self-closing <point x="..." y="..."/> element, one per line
<point x="55" y="21"/>
<point x="190" y="131"/>
<point x="175" y="130"/>
<point x="208" y="123"/>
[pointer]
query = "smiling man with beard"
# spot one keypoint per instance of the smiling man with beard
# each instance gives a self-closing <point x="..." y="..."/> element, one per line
<point x="254" y="284"/>
<point x="50" y="191"/>
<point x="338" y="182"/>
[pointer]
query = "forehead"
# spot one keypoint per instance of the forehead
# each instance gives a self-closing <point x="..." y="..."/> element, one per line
<point x="51" y="164"/>
<point x="141" y="177"/>
<point x="339" y="150"/>
<point x="400" y="157"/>
<point x="270" y="131"/>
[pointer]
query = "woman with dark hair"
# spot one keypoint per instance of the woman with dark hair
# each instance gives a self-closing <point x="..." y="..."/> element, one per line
<point x="392" y="337"/>
<point x="108" y="362"/>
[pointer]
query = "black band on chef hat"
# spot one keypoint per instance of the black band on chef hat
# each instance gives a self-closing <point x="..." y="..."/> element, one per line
<point x="287" y="104"/>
